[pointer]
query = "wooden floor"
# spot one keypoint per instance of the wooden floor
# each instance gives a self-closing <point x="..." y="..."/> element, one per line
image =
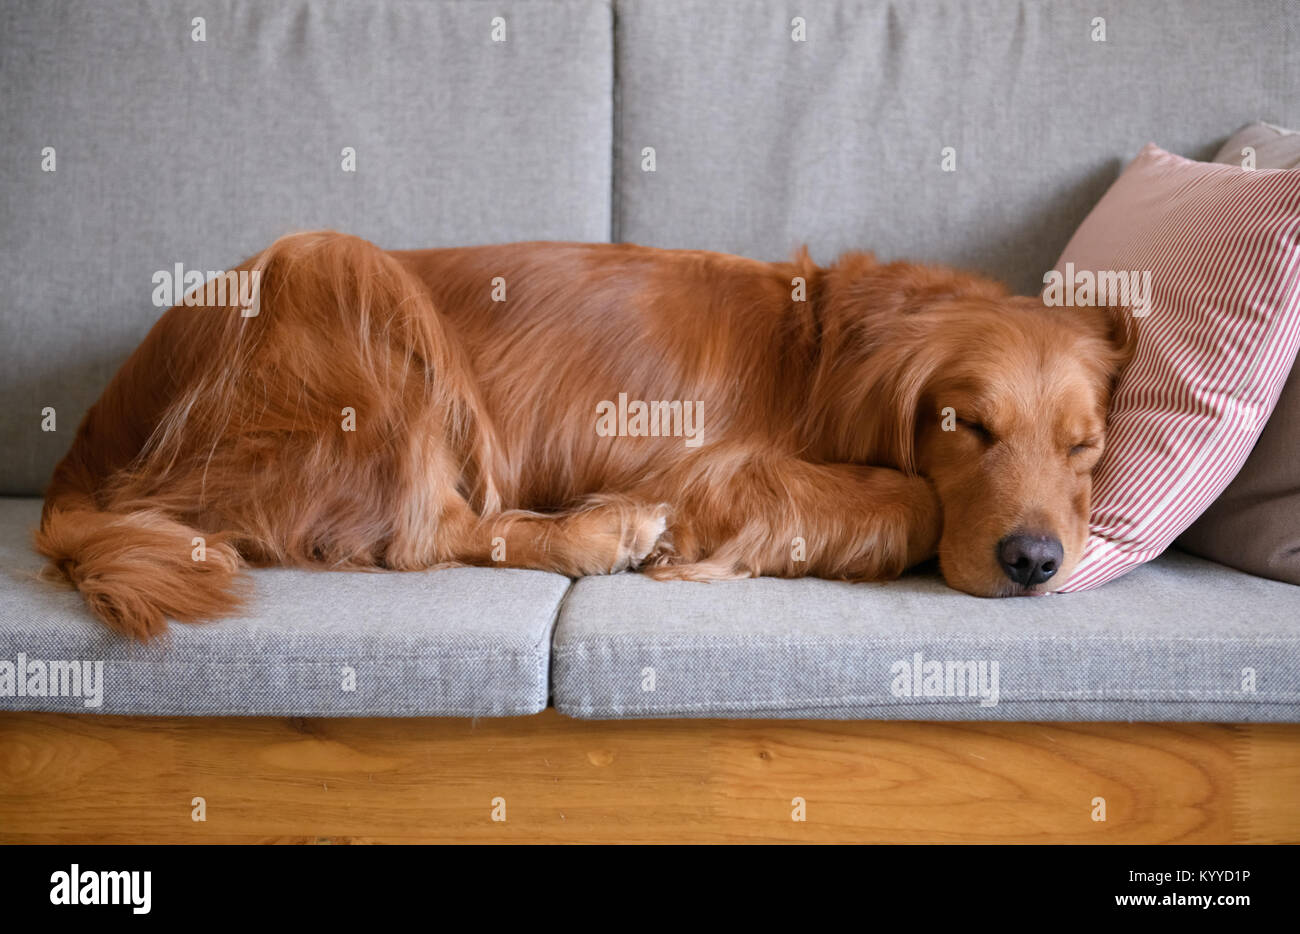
<point x="80" y="778"/>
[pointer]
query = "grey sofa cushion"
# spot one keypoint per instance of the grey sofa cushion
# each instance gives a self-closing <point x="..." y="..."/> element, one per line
<point x="1173" y="640"/>
<point x="174" y="151"/>
<point x="461" y="642"/>
<point x="763" y="143"/>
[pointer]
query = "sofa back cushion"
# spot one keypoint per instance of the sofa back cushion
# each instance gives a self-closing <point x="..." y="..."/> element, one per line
<point x="762" y="142"/>
<point x="174" y="140"/>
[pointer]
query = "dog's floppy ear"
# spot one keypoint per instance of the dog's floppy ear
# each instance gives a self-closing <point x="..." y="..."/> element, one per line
<point x="1114" y="324"/>
<point x="879" y="356"/>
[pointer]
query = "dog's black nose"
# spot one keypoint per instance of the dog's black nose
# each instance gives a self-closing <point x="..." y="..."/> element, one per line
<point x="1030" y="559"/>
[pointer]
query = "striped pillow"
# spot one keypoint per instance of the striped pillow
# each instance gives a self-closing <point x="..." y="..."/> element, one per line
<point x="1216" y="337"/>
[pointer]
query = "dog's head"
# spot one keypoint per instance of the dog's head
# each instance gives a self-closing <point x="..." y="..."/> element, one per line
<point x="1009" y="429"/>
<point x="1001" y="402"/>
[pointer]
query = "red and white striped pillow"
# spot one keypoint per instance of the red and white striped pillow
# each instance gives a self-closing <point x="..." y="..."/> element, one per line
<point x="1222" y="245"/>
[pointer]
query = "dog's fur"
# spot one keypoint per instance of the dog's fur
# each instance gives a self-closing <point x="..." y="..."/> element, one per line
<point x="825" y="451"/>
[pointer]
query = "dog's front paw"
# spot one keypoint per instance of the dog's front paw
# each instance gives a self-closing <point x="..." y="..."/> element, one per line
<point x="714" y="570"/>
<point x="642" y="535"/>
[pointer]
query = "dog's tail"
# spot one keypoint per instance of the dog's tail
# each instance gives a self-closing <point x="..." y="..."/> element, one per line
<point x="135" y="567"/>
<point x="134" y="560"/>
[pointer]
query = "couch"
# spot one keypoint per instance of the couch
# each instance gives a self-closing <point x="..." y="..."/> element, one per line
<point x="174" y="149"/>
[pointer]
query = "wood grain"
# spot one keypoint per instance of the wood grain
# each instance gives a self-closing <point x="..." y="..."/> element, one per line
<point x="1267" y="798"/>
<point x="81" y="778"/>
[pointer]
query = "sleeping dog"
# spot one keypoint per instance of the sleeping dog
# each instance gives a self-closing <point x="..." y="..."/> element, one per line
<point x="525" y="405"/>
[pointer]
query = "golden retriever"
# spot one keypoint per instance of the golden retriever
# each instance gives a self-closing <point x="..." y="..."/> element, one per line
<point x="585" y="408"/>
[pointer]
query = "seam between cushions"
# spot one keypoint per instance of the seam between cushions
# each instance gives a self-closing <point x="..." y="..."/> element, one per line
<point x="417" y="710"/>
<point x="868" y="641"/>
<point x="877" y="703"/>
<point x="615" y="130"/>
<point x="271" y="658"/>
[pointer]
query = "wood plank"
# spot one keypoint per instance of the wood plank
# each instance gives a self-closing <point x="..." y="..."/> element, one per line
<point x="84" y="778"/>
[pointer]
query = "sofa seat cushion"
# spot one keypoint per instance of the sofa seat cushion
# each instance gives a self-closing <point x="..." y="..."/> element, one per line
<point x="1179" y="639"/>
<point x="459" y="643"/>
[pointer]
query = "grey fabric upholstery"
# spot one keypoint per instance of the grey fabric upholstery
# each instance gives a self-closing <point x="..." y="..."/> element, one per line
<point x="763" y="143"/>
<point x="465" y="642"/>
<point x="201" y="153"/>
<point x="1169" y="641"/>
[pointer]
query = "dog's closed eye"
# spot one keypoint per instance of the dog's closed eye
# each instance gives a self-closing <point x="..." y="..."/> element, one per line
<point x="1087" y="444"/>
<point x="977" y="429"/>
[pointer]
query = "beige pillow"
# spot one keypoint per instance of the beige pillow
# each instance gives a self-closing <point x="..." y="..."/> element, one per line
<point x="1254" y="525"/>
<point x="1273" y="147"/>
